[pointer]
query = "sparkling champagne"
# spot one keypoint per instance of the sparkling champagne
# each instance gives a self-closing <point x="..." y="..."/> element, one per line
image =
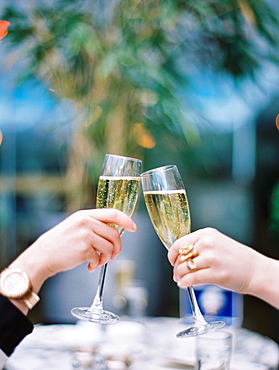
<point x="169" y="213"/>
<point x="118" y="192"/>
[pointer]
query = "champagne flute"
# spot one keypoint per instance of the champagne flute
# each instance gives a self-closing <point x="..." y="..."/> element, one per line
<point x="118" y="188"/>
<point x="167" y="205"/>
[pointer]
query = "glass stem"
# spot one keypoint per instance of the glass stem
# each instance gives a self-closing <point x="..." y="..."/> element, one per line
<point x="97" y="303"/>
<point x="197" y="316"/>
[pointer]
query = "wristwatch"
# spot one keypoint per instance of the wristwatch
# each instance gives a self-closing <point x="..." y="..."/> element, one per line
<point x="15" y="284"/>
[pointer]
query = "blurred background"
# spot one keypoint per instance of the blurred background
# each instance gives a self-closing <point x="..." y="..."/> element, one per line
<point x="191" y="83"/>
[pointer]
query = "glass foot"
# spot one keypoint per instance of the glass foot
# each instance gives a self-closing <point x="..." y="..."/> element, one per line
<point x="199" y="329"/>
<point x="98" y="316"/>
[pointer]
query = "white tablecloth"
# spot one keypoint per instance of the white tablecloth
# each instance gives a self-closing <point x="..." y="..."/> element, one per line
<point x="149" y="344"/>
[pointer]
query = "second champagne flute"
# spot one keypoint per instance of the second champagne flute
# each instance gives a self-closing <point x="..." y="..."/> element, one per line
<point x="168" y="208"/>
<point x="118" y="188"/>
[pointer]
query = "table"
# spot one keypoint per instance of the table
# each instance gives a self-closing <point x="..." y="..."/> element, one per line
<point x="147" y="344"/>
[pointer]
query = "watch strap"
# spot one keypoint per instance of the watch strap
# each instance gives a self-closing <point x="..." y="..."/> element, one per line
<point x="30" y="300"/>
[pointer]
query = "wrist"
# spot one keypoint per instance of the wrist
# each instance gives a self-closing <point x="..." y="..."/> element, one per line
<point x="31" y="264"/>
<point x="264" y="275"/>
<point x="17" y="287"/>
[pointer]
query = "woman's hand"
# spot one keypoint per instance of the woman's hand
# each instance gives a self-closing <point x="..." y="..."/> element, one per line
<point x="84" y="236"/>
<point x="220" y="260"/>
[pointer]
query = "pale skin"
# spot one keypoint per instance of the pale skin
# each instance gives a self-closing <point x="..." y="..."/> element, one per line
<point x="84" y="236"/>
<point x="227" y="263"/>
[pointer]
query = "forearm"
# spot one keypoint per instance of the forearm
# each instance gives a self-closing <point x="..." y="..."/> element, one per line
<point x="264" y="282"/>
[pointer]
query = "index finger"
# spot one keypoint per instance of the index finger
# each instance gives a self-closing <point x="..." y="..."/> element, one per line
<point x="111" y="215"/>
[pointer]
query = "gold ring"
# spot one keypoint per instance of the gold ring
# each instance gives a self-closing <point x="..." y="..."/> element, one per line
<point x="186" y="250"/>
<point x="189" y="256"/>
<point x="191" y="264"/>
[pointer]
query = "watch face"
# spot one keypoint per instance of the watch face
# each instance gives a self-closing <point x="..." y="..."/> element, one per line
<point x="14" y="284"/>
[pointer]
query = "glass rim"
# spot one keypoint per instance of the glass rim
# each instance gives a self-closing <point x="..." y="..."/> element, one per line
<point x="123" y="156"/>
<point x="217" y="335"/>
<point x="161" y="169"/>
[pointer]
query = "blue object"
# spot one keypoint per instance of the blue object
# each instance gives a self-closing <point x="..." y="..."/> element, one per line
<point x="215" y="303"/>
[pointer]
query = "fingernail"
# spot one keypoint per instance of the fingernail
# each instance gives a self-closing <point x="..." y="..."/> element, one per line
<point x="134" y="227"/>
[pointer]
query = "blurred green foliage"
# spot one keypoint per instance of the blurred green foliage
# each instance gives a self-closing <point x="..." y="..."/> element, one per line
<point x="122" y="63"/>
